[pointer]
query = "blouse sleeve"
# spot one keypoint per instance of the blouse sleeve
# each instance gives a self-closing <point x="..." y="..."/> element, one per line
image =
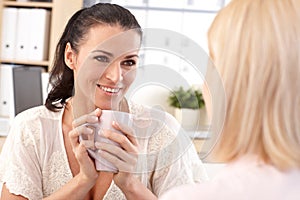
<point x="20" y="169"/>
<point x="177" y="161"/>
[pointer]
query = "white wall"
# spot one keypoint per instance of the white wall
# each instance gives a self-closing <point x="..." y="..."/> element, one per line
<point x="191" y="18"/>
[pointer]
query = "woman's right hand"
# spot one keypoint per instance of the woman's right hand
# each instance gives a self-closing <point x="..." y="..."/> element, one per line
<point x="86" y="164"/>
<point x="80" y="185"/>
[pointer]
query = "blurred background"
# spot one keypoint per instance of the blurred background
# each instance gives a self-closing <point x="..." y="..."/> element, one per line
<point x="173" y="56"/>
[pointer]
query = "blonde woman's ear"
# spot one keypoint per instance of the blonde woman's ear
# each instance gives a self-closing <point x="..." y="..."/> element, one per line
<point x="70" y="57"/>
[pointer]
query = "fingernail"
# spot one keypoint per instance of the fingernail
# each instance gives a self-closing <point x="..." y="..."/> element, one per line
<point x="101" y="132"/>
<point x="114" y="123"/>
<point x="94" y="118"/>
<point x="97" y="144"/>
<point x="100" y="151"/>
<point x="90" y="131"/>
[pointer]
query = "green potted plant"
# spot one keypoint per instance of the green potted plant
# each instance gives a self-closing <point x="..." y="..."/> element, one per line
<point x="189" y="107"/>
<point x="189" y="98"/>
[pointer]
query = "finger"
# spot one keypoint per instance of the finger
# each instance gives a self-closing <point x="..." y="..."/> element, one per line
<point x="92" y="117"/>
<point x="120" y="164"/>
<point x="86" y="134"/>
<point x="121" y="139"/>
<point x="116" y="151"/>
<point x="80" y="153"/>
<point x="88" y="144"/>
<point x="129" y="132"/>
<point x="83" y="158"/>
<point x="76" y="132"/>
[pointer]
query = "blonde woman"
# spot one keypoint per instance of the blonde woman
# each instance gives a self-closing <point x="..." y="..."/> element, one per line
<point x="255" y="46"/>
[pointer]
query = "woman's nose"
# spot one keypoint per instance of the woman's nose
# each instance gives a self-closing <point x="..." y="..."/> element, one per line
<point x="113" y="72"/>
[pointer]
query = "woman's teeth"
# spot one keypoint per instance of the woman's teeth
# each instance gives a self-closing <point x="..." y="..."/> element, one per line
<point x="111" y="90"/>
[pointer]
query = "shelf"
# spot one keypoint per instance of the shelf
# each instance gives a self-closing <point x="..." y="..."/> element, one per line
<point x="26" y="62"/>
<point x="199" y="134"/>
<point x="61" y="11"/>
<point x="28" y="4"/>
<point x="173" y="9"/>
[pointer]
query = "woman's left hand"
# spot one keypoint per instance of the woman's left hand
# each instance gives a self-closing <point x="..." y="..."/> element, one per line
<point x="125" y="156"/>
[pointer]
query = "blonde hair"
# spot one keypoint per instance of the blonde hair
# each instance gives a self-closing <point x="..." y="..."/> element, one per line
<point x="255" y="46"/>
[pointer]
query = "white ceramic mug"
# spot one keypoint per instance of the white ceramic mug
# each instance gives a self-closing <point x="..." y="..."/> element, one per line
<point x="106" y="119"/>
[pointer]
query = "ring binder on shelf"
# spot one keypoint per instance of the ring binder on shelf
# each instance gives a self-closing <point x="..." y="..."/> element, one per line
<point x="20" y="88"/>
<point x="9" y="27"/>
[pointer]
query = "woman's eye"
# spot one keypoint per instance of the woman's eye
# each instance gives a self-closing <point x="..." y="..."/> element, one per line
<point x="102" y="58"/>
<point x="129" y="63"/>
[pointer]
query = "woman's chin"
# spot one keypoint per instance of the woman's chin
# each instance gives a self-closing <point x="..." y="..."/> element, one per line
<point x="107" y="107"/>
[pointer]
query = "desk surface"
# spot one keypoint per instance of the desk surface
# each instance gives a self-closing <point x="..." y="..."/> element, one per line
<point x="197" y="142"/>
<point x="2" y="139"/>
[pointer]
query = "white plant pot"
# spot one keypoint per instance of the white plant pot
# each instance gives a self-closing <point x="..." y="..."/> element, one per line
<point x="188" y="118"/>
<point x="203" y="117"/>
<point x="191" y="119"/>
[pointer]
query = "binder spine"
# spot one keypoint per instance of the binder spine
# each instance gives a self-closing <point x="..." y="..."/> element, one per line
<point x="9" y="30"/>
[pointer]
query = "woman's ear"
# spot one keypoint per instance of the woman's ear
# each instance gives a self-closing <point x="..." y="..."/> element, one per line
<point x="70" y="56"/>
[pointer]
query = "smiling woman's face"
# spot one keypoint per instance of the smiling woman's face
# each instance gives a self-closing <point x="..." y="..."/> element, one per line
<point x="105" y="66"/>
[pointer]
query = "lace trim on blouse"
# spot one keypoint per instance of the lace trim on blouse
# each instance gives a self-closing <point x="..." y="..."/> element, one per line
<point x="35" y="175"/>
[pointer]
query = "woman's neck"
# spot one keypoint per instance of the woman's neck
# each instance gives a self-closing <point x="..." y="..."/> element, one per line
<point x="124" y="107"/>
<point x="68" y="116"/>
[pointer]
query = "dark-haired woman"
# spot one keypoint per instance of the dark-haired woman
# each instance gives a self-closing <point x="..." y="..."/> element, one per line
<point x="43" y="158"/>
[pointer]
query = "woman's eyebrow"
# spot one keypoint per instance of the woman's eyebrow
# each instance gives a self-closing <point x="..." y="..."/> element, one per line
<point x="111" y="54"/>
<point x="104" y="52"/>
<point x="131" y="56"/>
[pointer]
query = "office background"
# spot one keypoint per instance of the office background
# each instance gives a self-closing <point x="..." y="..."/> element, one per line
<point x="187" y="18"/>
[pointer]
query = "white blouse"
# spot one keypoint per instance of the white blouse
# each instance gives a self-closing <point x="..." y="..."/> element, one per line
<point x="34" y="163"/>
<point x="245" y="179"/>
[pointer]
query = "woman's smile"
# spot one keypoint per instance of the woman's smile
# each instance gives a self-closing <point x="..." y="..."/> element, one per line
<point x="109" y="90"/>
